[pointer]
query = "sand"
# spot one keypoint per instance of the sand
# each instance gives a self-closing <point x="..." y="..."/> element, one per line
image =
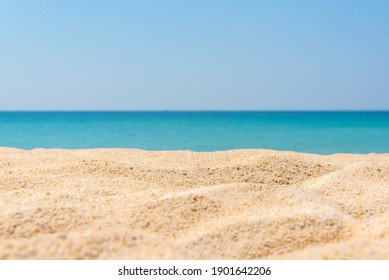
<point x="242" y="204"/>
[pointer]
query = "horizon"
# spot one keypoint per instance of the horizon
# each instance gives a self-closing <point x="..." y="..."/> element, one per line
<point x="195" y="111"/>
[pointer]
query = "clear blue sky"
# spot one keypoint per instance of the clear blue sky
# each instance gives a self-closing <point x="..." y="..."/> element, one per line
<point x="196" y="55"/>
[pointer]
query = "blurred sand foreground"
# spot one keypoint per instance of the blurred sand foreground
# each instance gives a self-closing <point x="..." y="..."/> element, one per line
<point x="243" y="204"/>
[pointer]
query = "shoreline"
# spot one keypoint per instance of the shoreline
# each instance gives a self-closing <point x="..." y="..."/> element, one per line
<point x="236" y="204"/>
<point x="193" y="151"/>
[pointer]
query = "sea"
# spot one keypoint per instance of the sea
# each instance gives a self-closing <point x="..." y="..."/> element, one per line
<point x="309" y="132"/>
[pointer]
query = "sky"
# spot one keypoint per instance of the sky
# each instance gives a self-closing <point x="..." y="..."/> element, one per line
<point x="194" y="55"/>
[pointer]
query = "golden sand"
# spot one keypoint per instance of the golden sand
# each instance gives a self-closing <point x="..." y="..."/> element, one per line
<point x="243" y="204"/>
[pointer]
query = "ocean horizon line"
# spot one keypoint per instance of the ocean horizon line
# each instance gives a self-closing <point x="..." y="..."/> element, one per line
<point x="195" y="111"/>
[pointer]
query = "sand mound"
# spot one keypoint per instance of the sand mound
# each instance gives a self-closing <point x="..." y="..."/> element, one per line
<point x="244" y="204"/>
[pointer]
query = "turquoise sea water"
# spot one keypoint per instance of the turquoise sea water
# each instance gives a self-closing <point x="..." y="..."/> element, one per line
<point x="312" y="132"/>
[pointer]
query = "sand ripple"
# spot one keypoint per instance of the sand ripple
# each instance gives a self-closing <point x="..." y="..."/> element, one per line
<point x="244" y="204"/>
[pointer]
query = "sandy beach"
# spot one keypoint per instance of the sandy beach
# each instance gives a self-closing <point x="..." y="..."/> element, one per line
<point x="241" y="204"/>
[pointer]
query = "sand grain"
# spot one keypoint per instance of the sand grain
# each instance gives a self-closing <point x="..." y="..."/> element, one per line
<point x="243" y="204"/>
